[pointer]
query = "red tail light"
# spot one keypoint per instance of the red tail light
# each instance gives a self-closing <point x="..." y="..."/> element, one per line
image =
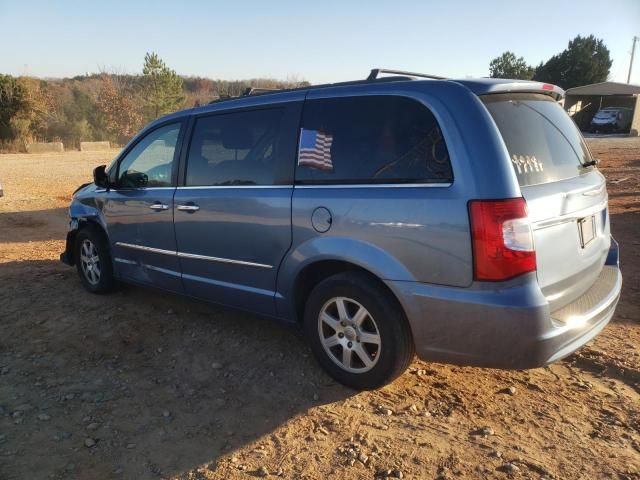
<point x="502" y="239"/>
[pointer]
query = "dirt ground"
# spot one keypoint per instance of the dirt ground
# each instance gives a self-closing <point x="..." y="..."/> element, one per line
<point x="141" y="384"/>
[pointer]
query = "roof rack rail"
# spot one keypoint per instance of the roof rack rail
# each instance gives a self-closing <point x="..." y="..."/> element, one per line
<point x="221" y="98"/>
<point x="373" y="77"/>
<point x="375" y="72"/>
<point x="247" y="92"/>
<point x="258" y="90"/>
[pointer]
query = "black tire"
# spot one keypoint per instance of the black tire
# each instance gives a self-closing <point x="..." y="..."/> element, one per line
<point x="396" y="348"/>
<point x="104" y="281"/>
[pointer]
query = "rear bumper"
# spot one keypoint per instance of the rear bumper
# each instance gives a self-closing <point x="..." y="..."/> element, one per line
<point x="506" y="325"/>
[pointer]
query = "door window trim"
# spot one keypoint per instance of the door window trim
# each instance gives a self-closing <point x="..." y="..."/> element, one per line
<point x="229" y="187"/>
<point x="174" y="162"/>
<point x="375" y="185"/>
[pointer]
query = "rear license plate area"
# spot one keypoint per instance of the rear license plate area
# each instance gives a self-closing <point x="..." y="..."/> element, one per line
<point x="587" y="230"/>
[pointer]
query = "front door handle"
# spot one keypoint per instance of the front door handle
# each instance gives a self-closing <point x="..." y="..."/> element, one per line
<point x="188" y="208"/>
<point x="159" y="206"/>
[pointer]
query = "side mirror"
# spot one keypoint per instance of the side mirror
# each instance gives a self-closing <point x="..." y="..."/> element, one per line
<point x="100" y="177"/>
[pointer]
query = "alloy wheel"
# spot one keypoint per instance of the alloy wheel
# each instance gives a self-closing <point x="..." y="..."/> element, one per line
<point x="349" y="335"/>
<point x="90" y="261"/>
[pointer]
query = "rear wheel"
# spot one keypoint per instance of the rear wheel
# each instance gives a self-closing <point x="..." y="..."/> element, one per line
<point x="357" y="330"/>
<point x="93" y="261"/>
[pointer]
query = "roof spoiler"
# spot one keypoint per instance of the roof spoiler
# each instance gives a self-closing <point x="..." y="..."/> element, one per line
<point x="518" y="86"/>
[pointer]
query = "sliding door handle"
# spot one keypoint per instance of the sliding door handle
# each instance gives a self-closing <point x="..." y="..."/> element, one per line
<point x="190" y="207"/>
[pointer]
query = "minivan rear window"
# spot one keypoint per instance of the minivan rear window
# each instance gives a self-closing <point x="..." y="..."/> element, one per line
<point x="544" y="143"/>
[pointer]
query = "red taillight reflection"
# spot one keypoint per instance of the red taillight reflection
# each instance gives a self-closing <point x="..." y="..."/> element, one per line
<point x="492" y="259"/>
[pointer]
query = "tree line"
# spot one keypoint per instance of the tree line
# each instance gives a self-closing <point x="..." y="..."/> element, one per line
<point x="586" y="60"/>
<point x="106" y="106"/>
<point x="113" y="106"/>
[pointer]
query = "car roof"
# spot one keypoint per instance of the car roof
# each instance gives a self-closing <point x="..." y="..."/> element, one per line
<point x="479" y="86"/>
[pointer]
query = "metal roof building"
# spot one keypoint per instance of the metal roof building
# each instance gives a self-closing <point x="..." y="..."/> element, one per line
<point x="582" y="103"/>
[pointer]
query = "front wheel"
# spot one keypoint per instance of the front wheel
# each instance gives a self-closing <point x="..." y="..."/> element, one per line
<point x="93" y="261"/>
<point x="357" y="330"/>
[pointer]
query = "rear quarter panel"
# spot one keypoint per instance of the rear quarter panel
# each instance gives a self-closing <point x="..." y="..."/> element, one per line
<point x="398" y="233"/>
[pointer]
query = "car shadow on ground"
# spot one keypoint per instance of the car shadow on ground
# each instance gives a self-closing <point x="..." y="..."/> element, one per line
<point x="139" y="383"/>
<point x="34" y="225"/>
<point x="624" y="228"/>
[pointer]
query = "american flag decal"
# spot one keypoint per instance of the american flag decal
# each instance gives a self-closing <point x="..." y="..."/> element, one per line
<point x="315" y="149"/>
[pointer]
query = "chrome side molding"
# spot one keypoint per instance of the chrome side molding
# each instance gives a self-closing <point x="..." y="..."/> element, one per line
<point x="145" y="249"/>
<point x="192" y="256"/>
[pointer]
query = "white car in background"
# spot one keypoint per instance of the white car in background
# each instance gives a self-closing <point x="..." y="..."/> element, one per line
<point x="612" y="119"/>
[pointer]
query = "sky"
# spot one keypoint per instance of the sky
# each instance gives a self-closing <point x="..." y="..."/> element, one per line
<point x="319" y="42"/>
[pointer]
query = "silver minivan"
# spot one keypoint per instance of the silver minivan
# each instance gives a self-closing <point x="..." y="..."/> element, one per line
<point x="462" y="220"/>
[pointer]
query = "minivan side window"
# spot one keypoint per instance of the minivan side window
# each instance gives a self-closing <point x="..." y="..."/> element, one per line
<point x="149" y="163"/>
<point x="235" y="149"/>
<point x="370" y="139"/>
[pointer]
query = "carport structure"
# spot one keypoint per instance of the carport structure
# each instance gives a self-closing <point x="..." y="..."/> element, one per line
<point x="582" y="103"/>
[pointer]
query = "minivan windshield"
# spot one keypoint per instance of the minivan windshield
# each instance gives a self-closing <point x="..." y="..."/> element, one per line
<point x="544" y="143"/>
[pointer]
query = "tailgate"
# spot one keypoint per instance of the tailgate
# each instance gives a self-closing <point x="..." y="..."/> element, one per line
<point x="570" y="233"/>
<point x="566" y="195"/>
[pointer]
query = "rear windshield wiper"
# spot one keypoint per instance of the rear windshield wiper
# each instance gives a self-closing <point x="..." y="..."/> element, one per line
<point x="592" y="163"/>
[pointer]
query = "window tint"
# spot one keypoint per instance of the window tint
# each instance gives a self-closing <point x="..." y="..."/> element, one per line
<point x="373" y="139"/>
<point x="150" y="162"/>
<point x="235" y="148"/>
<point x="543" y="142"/>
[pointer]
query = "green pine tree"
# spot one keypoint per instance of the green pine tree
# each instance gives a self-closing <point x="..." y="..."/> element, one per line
<point x="12" y="101"/>
<point x="586" y="60"/>
<point x="162" y="87"/>
<point x="508" y="65"/>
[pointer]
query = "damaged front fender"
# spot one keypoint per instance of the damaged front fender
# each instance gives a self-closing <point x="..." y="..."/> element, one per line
<point x="80" y="213"/>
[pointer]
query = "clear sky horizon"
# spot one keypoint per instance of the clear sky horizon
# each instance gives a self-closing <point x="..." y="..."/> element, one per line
<point x="321" y="42"/>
